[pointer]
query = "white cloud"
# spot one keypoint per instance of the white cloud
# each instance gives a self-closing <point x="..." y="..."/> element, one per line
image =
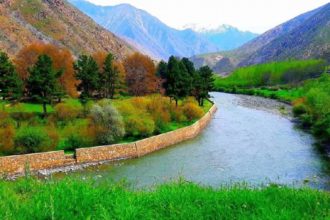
<point x="253" y="15"/>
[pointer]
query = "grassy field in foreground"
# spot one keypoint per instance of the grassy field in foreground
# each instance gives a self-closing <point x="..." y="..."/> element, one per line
<point x="78" y="199"/>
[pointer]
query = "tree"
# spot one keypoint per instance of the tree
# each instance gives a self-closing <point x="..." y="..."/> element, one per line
<point x="178" y="80"/>
<point x="61" y="57"/>
<point x="161" y="73"/>
<point x="43" y="84"/>
<point x="203" y="84"/>
<point x="140" y="75"/>
<point x="110" y="76"/>
<point x="10" y="83"/>
<point x="86" y="70"/>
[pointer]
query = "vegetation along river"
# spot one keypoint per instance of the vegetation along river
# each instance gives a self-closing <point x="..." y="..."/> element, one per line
<point x="249" y="140"/>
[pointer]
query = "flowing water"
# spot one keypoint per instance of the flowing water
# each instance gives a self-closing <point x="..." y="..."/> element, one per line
<point x="248" y="141"/>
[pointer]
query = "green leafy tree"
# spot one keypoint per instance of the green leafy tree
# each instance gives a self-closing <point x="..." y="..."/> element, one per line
<point x="43" y="84"/>
<point x="11" y="86"/>
<point x="109" y="77"/>
<point x="87" y="72"/>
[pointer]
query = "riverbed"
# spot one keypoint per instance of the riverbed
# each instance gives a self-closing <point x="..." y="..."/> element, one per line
<point x="250" y="140"/>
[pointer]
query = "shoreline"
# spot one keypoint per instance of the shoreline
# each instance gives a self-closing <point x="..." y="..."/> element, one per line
<point x="13" y="167"/>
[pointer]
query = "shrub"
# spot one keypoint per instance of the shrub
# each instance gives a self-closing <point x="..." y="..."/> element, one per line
<point x="77" y="136"/>
<point x="7" y="134"/>
<point x="67" y="112"/>
<point x="108" y="123"/>
<point x="139" y="126"/>
<point x="192" y="111"/>
<point x="159" y="109"/>
<point x="299" y="110"/>
<point x="32" y="140"/>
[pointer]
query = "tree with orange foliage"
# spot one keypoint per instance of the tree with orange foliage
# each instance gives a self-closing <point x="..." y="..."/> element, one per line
<point x="140" y="75"/>
<point x="62" y="60"/>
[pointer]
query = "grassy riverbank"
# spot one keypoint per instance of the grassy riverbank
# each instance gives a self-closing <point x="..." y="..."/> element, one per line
<point x="78" y="199"/>
<point x="299" y="83"/>
<point x="69" y="124"/>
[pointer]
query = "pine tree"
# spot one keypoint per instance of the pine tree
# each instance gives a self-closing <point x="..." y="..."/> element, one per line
<point x="87" y="72"/>
<point x="110" y="76"/>
<point x="11" y="86"/>
<point x="43" y="84"/>
<point x="204" y="84"/>
<point x="178" y="81"/>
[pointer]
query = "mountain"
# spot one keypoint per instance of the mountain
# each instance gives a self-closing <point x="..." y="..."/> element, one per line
<point x="57" y="22"/>
<point x="304" y="37"/>
<point x="225" y="37"/>
<point x="145" y="31"/>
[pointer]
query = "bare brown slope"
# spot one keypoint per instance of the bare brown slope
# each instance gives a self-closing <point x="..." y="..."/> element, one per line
<point x="57" y="22"/>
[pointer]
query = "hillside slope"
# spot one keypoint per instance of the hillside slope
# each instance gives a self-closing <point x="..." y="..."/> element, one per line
<point x="304" y="37"/>
<point x="57" y="22"/>
<point x="145" y="31"/>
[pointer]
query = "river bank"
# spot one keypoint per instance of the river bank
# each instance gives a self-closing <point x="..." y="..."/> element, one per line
<point x="57" y="161"/>
<point x="242" y="143"/>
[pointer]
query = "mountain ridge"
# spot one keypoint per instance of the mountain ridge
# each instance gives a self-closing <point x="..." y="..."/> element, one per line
<point x="56" y="22"/>
<point x="288" y="40"/>
<point x="147" y="32"/>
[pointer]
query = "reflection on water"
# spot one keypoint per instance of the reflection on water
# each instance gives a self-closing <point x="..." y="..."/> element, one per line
<point x="243" y="143"/>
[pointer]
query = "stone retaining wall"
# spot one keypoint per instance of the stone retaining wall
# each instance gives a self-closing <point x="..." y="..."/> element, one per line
<point x="18" y="164"/>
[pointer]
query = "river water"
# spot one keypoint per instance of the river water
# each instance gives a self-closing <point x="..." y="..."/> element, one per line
<point x="248" y="141"/>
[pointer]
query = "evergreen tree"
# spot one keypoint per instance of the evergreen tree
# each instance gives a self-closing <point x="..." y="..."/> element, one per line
<point x="109" y="77"/>
<point x="87" y="72"/>
<point x="178" y="80"/>
<point x="161" y="73"/>
<point x="11" y="86"/>
<point x="43" y="83"/>
<point x="203" y="84"/>
<point x="189" y="66"/>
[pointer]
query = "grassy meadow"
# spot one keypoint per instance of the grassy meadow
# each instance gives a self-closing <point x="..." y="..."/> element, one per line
<point x="86" y="199"/>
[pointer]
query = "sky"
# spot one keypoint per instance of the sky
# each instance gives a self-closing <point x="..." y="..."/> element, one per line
<point x="253" y="15"/>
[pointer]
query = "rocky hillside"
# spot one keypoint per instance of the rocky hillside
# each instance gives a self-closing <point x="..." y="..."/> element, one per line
<point x="306" y="36"/>
<point x="57" y="22"/>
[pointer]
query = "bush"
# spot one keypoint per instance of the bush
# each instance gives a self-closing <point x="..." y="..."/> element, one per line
<point x="32" y="140"/>
<point x="67" y="112"/>
<point x="299" y="109"/>
<point x="139" y="126"/>
<point x="159" y="109"/>
<point x="77" y="135"/>
<point x="7" y="134"/>
<point x="107" y="123"/>
<point x="192" y="111"/>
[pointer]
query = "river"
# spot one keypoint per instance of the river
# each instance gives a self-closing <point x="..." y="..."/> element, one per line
<point x="248" y="141"/>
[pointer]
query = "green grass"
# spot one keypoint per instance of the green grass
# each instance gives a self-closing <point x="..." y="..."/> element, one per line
<point x="78" y="199"/>
<point x="275" y="73"/>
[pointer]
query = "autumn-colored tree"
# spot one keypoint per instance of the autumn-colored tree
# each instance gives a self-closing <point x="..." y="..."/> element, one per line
<point x="62" y="59"/>
<point x="140" y="75"/>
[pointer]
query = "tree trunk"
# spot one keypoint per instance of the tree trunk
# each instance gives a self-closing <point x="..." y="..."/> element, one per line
<point x="176" y="102"/>
<point x="44" y="106"/>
